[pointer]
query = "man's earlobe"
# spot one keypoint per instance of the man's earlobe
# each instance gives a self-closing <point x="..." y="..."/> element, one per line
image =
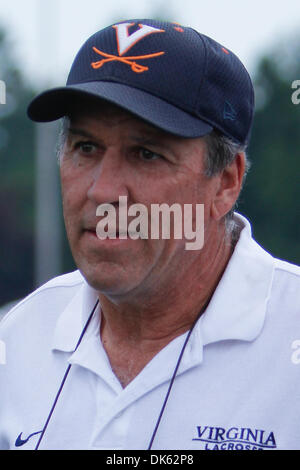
<point x="230" y="184"/>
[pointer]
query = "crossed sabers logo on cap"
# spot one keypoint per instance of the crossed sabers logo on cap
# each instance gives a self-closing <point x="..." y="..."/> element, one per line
<point x="126" y="42"/>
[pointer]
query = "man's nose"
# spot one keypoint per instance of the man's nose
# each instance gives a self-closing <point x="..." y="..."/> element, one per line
<point x="109" y="178"/>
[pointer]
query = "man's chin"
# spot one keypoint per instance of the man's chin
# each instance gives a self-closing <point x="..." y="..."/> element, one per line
<point x="107" y="282"/>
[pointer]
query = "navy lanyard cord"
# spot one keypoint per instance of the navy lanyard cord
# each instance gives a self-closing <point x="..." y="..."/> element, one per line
<point x="169" y="390"/>
<point x="65" y="378"/>
<point x="174" y="375"/>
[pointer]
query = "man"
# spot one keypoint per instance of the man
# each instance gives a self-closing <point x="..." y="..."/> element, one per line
<point x="150" y="345"/>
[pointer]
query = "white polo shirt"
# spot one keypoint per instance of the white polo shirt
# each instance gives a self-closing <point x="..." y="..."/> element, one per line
<point x="237" y="386"/>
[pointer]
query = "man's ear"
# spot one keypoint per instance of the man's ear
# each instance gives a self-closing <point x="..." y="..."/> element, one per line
<point x="229" y="187"/>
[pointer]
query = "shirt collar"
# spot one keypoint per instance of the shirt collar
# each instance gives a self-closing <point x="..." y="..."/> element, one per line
<point x="73" y="319"/>
<point x="238" y="307"/>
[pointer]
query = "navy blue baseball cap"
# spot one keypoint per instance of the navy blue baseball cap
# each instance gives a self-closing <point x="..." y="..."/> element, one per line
<point x="169" y="75"/>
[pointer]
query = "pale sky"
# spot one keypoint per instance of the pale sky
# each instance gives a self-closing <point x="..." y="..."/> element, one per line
<point x="46" y="34"/>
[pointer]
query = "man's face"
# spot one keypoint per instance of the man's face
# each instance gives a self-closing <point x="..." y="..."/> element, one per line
<point x="109" y="153"/>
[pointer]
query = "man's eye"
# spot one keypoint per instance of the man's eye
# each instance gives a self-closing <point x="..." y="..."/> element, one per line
<point x="85" y="147"/>
<point x="147" y="155"/>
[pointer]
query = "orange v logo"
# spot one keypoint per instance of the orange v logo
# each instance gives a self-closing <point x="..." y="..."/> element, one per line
<point x="126" y="42"/>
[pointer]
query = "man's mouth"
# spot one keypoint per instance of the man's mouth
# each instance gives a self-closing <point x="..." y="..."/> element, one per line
<point x="113" y="235"/>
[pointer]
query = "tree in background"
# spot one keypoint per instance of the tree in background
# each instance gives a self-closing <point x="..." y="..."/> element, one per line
<point x="271" y="195"/>
<point x="16" y="181"/>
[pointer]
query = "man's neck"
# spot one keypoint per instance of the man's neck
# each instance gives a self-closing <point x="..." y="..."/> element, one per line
<point x="133" y="333"/>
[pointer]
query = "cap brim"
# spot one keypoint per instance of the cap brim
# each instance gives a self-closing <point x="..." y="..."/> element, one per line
<point x="56" y="103"/>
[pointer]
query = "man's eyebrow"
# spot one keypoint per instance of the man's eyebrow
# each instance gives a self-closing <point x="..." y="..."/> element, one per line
<point x="149" y="140"/>
<point x="80" y="132"/>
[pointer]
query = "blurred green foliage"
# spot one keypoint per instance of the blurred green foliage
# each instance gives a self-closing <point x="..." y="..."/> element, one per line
<point x="16" y="182"/>
<point x="270" y="197"/>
